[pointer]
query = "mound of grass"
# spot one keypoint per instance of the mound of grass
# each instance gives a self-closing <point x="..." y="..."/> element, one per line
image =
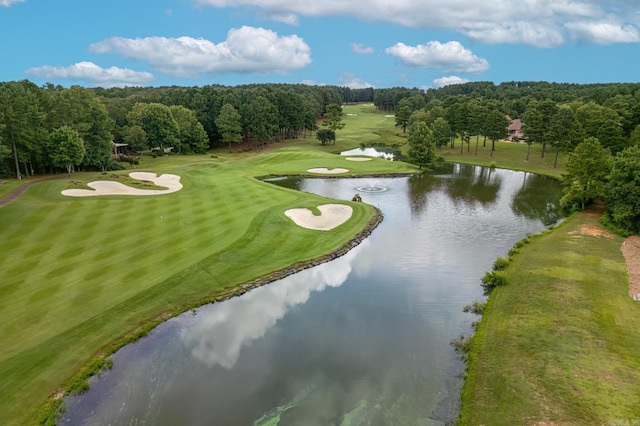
<point x="560" y="342"/>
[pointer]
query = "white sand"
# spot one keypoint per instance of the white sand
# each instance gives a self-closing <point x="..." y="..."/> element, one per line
<point x="325" y="171"/>
<point x="107" y="187"/>
<point x="332" y="215"/>
<point x="389" y="116"/>
<point x="358" y="159"/>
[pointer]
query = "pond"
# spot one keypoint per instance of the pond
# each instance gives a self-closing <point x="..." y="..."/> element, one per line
<point x="364" y="339"/>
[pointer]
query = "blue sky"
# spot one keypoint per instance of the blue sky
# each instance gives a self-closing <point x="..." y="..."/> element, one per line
<point x="364" y="43"/>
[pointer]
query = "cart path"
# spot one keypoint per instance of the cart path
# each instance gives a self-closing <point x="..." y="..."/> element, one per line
<point x="17" y="192"/>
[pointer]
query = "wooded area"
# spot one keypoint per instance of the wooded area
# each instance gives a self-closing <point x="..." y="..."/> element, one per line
<point x="105" y="127"/>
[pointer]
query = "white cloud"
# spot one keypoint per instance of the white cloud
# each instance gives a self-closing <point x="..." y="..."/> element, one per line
<point x="93" y="74"/>
<point x="246" y="49"/>
<point x="287" y="18"/>
<point x="450" y="56"/>
<point x="7" y="3"/>
<point x="541" y="23"/>
<point x="448" y="81"/>
<point x="603" y="32"/>
<point x="362" y="49"/>
<point x="540" y="35"/>
<point x="353" y="81"/>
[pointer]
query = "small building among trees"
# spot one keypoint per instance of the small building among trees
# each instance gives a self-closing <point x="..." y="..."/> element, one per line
<point x="515" y="129"/>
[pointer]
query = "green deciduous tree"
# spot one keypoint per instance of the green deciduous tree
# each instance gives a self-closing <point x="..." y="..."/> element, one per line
<point x="563" y="131"/>
<point x="66" y="148"/>
<point x="261" y="120"/>
<point x="537" y="121"/>
<point x="496" y="127"/>
<point x="610" y="136"/>
<point x="441" y="132"/>
<point x="333" y="118"/>
<point x="422" y="151"/>
<point x="80" y="109"/>
<point x="191" y="135"/>
<point x="623" y="190"/>
<point x="325" y="136"/>
<point x="229" y="124"/>
<point x="135" y="137"/>
<point x="634" y="138"/>
<point x="587" y="170"/>
<point x="157" y="122"/>
<point x="403" y="114"/>
<point x="23" y="120"/>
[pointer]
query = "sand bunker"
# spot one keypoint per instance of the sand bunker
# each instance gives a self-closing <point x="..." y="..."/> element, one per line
<point x="107" y="187"/>
<point x="358" y="159"/>
<point x="332" y="215"/>
<point x="326" y="171"/>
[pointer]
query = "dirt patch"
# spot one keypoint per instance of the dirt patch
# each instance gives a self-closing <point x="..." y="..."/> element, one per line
<point x="594" y="231"/>
<point x="630" y="248"/>
<point x="631" y="252"/>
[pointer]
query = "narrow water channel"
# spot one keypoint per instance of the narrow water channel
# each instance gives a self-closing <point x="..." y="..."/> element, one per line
<point x="362" y="340"/>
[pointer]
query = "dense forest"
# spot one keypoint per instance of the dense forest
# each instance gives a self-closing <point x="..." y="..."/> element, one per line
<point x="52" y="129"/>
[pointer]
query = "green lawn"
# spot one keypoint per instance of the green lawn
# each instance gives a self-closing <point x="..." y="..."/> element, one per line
<point x="508" y="155"/>
<point x="560" y="343"/>
<point x="79" y="273"/>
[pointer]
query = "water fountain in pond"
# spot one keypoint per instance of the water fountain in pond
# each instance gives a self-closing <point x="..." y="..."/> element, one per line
<point x="372" y="187"/>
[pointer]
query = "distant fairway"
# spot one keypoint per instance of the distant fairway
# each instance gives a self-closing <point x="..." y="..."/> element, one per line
<point x="78" y="273"/>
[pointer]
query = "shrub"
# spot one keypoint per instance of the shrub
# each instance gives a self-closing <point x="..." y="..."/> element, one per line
<point x="500" y="264"/>
<point x="493" y="165"/>
<point x="78" y="386"/>
<point x="113" y="165"/>
<point x="462" y="346"/>
<point x="492" y="280"/>
<point x="475" y="307"/>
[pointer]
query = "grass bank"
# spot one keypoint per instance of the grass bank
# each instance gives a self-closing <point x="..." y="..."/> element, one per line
<point x="509" y="155"/>
<point x="560" y="343"/>
<point x="80" y="276"/>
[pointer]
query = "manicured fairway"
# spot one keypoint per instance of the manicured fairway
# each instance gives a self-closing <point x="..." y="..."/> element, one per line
<point x="78" y="273"/>
<point x="560" y="343"/>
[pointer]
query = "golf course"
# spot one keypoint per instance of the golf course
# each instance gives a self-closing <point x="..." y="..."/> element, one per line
<point x="83" y="276"/>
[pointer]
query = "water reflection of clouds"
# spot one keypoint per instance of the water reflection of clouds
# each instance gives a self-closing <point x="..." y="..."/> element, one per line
<point x="221" y="332"/>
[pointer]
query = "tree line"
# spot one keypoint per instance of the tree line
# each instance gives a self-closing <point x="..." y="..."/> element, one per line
<point x="51" y="128"/>
<point x="87" y="122"/>
<point x="598" y="125"/>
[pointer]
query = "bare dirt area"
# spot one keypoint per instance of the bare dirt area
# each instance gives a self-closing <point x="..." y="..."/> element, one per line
<point x="593" y="231"/>
<point x="630" y="248"/>
<point x="631" y="252"/>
